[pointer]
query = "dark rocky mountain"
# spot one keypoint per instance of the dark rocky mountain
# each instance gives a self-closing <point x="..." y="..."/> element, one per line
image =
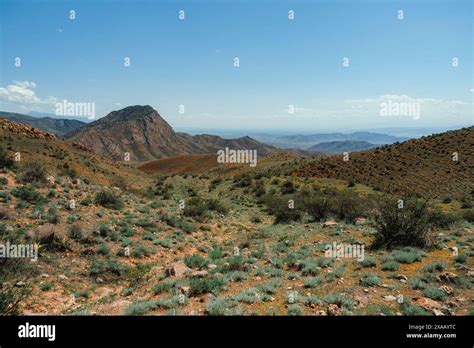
<point x="57" y="126"/>
<point x="145" y="135"/>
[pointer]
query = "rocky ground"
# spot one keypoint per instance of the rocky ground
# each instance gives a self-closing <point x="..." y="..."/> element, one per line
<point x="202" y="246"/>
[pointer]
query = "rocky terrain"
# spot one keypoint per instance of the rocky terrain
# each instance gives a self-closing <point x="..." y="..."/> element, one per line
<point x="224" y="240"/>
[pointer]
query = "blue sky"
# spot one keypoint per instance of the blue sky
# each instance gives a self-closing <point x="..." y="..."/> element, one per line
<point x="282" y="62"/>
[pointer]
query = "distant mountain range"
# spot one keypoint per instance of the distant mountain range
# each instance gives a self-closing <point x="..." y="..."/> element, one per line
<point x="301" y="141"/>
<point x="141" y="132"/>
<point x="53" y="125"/>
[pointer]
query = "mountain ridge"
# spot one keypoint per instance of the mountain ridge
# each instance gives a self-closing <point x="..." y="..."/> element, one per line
<point x="141" y="132"/>
<point x="58" y="126"/>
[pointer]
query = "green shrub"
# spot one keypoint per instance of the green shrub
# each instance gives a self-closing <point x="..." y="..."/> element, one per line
<point x="407" y="226"/>
<point x="33" y="173"/>
<point x="26" y="193"/>
<point x="434" y="293"/>
<point x="243" y="180"/>
<point x="141" y="250"/>
<point x="461" y="258"/>
<point x="75" y="232"/>
<point x="468" y="215"/>
<point x="66" y="170"/>
<point x="371" y="280"/>
<point x="287" y="187"/>
<point x="280" y="208"/>
<point x="46" y="286"/>
<point x="163" y="287"/>
<point x="104" y="230"/>
<point x="5" y="161"/>
<point x="408" y="255"/>
<point x="217" y="306"/>
<point x="199" y="286"/>
<point x="348" y="205"/>
<point x="52" y="216"/>
<point x="312" y="282"/>
<point x="216" y="253"/>
<point x="340" y="300"/>
<point x="107" y="267"/>
<point x="195" y="208"/>
<point x="295" y="310"/>
<point x="435" y="267"/>
<point x="236" y="263"/>
<point x="412" y="310"/>
<point x="108" y="200"/>
<point x="195" y="261"/>
<point x="390" y="266"/>
<point x="368" y="262"/>
<point x="418" y="283"/>
<point x="440" y="219"/>
<point x="103" y="249"/>
<point x="316" y="204"/>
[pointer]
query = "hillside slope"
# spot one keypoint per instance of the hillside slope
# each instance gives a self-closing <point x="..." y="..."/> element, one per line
<point x="63" y="158"/>
<point x="424" y="166"/>
<point x="48" y="124"/>
<point x="342" y="146"/>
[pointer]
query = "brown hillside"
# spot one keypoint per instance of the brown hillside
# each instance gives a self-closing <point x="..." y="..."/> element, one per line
<point x="39" y="146"/>
<point x="192" y="164"/>
<point x="424" y="166"/>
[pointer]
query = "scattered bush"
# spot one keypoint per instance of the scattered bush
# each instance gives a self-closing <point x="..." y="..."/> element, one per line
<point x="434" y="293"/>
<point x="406" y="226"/>
<point x="368" y="262"/>
<point x="435" y="266"/>
<point x="370" y="280"/>
<point x="195" y="261"/>
<point x="108" y="200"/>
<point x="390" y="266"/>
<point x="281" y="208"/>
<point x="75" y="232"/>
<point x="295" y="310"/>
<point x="33" y="173"/>
<point x="408" y="255"/>
<point x="199" y="286"/>
<point x="5" y="161"/>
<point x="26" y="193"/>
<point x="287" y="187"/>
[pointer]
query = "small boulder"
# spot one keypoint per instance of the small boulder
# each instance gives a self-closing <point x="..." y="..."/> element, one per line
<point x="333" y="310"/>
<point x="178" y="269"/>
<point x="199" y="274"/>
<point x="447" y="289"/>
<point x="447" y="277"/>
<point x="330" y="223"/>
<point x="428" y="303"/>
<point x="389" y="298"/>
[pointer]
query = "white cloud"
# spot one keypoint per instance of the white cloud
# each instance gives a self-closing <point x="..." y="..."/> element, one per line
<point x="22" y="94"/>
